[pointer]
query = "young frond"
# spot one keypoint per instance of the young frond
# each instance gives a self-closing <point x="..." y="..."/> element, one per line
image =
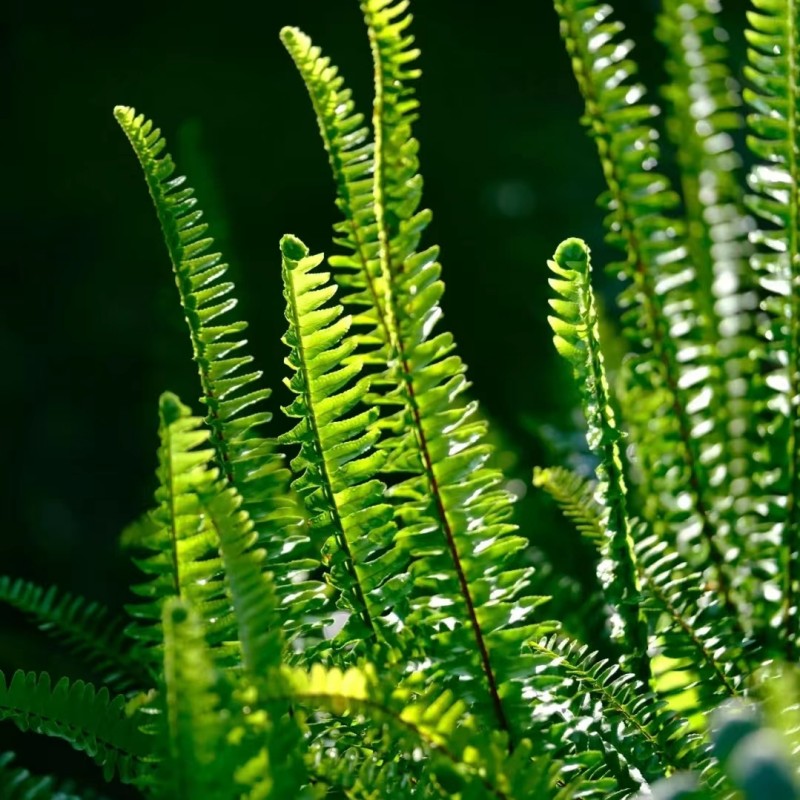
<point x="351" y="154"/>
<point x="576" y="499"/>
<point x="577" y="338"/>
<point x="337" y="462"/>
<point x="247" y="460"/>
<point x="675" y="374"/>
<point x="91" y="721"/>
<point x="181" y="550"/>
<point x="86" y="627"/>
<point x="774" y="124"/>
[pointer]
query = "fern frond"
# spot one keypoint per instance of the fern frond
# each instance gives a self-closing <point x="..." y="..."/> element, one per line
<point x="414" y="718"/>
<point x="629" y="716"/>
<point x="337" y="460"/>
<point x="690" y="624"/>
<point x="677" y="370"/>
<point x="576" y="499"/>
<point x="86" y="627"/>
<point x="89" y="720"/>
<point x="195" y="761"/>
<point x="454" y="511"/>
<point x="182" y="558"/>
<point x="253" y="598"/>
<point x="350" y="151"/>
<point x="774" y="72"/>
<point x="17" y="783"/>
<point x="248" y="460"/>
<point x="577" y="338"/>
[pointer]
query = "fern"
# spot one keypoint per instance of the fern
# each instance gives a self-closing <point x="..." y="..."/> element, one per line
<point x="88" y="719"/>
<point x="363" y="624"/>
<point x="86" y="627"/>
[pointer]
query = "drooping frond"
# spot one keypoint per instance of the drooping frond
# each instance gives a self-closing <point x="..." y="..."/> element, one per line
<point x="181" y="551"/>
<point x="90" y="720"/>
<point x="577" y="338"/>
<point x="621" y="710"/>
<point x="469" y="587"/>
<point x="338" y="461"/>
<point x="247" y="460"/>
<point x="350" y="152"/>
<point x="576" y="498"/>
<point x="252" y="594"/>
<point x="774" y="72"/>
<point x="86" y="627"/>
<point x="195" y="761"/>
<point x="676" y="372"/>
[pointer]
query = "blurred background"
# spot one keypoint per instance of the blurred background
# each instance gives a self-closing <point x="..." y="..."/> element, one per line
<point x="90" y="328"/>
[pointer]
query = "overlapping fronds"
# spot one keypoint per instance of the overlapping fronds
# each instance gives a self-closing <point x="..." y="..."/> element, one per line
<point x="675" y="371"/>
<point x="462" y="761"/>
<point x="248" y="460"/>
<point x="577" y="338"/>
<point x="621" y="710"/>
<point x="469" y="585"/>
<point x="348" y="143"/>
<point x="182" y="558"/>
<point x="91" y="721"/>
<point x="337" y="462"/>
<point x="86" y="627"/>
<point x="774" y="124"/>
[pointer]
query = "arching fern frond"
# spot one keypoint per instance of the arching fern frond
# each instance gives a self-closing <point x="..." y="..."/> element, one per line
<point x="774" y="72"/>
<point x="338" y="461"/>
<point x="351" y="154"/>
<point x="182" y="558"/>
<point x="468" y="586"/>
<point x="86" y="627"/>
<point x="577" y="338"/>
<point x="17" y="783"/>
<point x="675" y="429"/>
<point x="89" y="720"/>
<point x="248" y="460"/>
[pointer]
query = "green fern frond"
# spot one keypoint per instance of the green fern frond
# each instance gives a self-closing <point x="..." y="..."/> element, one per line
<point x="182" y="558"/>
<point x="86" y="627"/>
<point x="629" y="716"/>
<point x="690" y="624"/>
<point x="247" y="460"/>
<point x="577" y="338"/>
<point x="774" y="72"/>
<point x="196" y="761"/>
<point x="252" y="594"/>
<point x="576" y="499"/>
<point x="337" y="460"/>
<point x="17" y="783"/>
<point x="351" y="154"/>
<point x="90" y="720"/>
<point x="453" y="509"/>
<point x="462" y="761"/>
<point x="677" y="371"/>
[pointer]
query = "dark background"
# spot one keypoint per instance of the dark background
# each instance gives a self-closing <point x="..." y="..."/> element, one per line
<point x="90" y="329"/>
